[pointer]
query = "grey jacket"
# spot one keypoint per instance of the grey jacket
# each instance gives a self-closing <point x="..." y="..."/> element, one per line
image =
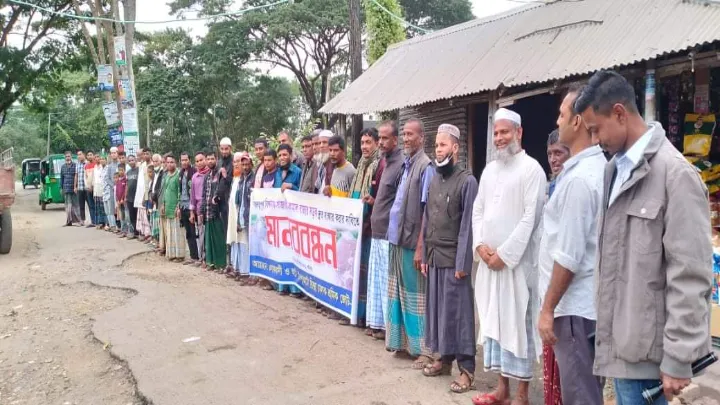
<point x="654" y="273"/>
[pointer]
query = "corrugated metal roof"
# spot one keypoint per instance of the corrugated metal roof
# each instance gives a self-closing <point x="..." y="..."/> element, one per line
<point x="531" y="44"/>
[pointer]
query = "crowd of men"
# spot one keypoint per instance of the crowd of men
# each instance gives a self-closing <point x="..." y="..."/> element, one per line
<point x="604" y="270"/>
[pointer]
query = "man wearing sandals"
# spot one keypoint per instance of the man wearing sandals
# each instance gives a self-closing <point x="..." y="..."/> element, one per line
<point x="506" y="215"/>
<point x="447" y="263"/>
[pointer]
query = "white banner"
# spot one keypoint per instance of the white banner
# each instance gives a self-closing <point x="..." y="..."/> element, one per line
<point x="129" y="121"/>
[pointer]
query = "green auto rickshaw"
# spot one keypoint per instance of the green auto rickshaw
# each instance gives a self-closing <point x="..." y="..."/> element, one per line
<point x="31" y="172"/>
<point x="51" y="191"/>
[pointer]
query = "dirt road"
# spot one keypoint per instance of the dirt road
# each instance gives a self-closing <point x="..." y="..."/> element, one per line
<point x="87" y="318"/>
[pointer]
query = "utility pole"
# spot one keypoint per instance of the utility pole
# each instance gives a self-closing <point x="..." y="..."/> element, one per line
<point x="355" y="36"/>
<point x="48" y="136"/>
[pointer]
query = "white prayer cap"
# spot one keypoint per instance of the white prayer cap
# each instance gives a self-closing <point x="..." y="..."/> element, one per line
<point x="326" y="134"/>
<point x="225" y="142"/>
<point x="113" y="149"/>
<point x="505" y="114"/>
<point x="450" y="130"/>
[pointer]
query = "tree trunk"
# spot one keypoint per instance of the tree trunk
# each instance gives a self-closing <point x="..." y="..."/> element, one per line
<point x="355" y="37"/>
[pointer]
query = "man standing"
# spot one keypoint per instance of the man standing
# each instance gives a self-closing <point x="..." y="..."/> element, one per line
<point x="653" y="274"/>
<point x="307" y="182"/>
<point x="567" y="260"/>
<point x="174" y="243"/>
<point x="261" y="146"/>
<point x="343" y="171"/>
<point x="284" y="138"/>
<point x="68" y="175"/>
<point x="364" y="187"/>
<point x="323" y="166"/>
<point x="186" y="175"/>
<point x="406" y="285"/>
<point x="89" y="188"/>
<point x="215" y="251"/>
<point x="557" y="154"/>
<point x="196" y="199"/>
<point x="142" y="225"/>
<point x="288" y="175"/>
<point x="109" y="192"/>
<point x="379" y="263"/>
<point x="133" y="176"/>
<point x="269" y="170"/>
<point x="240" y="251"/>
<point x="506" y="215"/>
<point x="80" y="184"/>
<point x="225" y="169"/>
<point x="447" y="263"/>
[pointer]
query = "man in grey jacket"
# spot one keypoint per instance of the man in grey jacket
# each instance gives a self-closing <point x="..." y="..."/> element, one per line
<point x="653" y="278"/>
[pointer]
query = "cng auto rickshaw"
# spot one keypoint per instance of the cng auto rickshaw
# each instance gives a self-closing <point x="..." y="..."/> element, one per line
<point x="51" y="191"/>
<point x="31" y="172"/>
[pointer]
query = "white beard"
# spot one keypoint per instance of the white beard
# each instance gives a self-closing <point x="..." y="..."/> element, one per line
<point x="321" y="157"/>
<point x="504" y="154"/>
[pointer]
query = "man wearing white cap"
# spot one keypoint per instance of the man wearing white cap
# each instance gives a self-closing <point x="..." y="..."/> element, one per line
<point x="323" y="166"/>
<point x="506" y="215"/>
<point x="447" y="263"/>
<point x="225" y="177"/>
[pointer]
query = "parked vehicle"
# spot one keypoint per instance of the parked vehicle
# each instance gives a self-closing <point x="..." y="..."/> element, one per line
<point x="31" y="172"/>
<point x="7" y="198"/>
<point x="51" y="189"/>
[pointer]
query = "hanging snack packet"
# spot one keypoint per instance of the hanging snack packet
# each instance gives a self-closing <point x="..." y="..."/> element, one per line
<point x="698" y="134"/>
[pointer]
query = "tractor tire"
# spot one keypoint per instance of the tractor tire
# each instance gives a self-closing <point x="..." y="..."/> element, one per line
<point x="5" y="232"/>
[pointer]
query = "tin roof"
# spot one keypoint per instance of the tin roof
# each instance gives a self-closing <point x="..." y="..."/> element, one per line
<point x="534" y="43"/>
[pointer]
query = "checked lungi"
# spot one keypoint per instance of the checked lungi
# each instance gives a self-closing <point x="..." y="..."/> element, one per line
<point x="406" y="304"/>
<point x="377" y="291"/>
<point x="174" y="241"/>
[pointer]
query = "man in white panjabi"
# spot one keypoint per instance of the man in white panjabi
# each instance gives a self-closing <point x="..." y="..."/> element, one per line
<point x="506" y="215"/>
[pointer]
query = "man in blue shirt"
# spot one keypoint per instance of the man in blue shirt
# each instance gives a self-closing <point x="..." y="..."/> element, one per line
<point x="288" y="175"/>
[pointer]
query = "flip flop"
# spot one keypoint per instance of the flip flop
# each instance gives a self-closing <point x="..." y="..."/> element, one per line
<point x="487" y="398"/>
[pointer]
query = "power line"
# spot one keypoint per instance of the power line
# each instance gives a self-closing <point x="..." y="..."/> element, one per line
<point x="397" y="17"/>
<point x="204" y="18"/>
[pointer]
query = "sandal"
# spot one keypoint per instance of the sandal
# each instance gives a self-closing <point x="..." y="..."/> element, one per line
<point x="344" y="322"/>
<point x="422" y="362"/>
<point x="459" y="388"/>
<point x="268" y="287"/>
<point x="379" y="334"/>
<point x="488" y="398"/>
<point x="369" y="332"/>
<point x="432" y="370"/>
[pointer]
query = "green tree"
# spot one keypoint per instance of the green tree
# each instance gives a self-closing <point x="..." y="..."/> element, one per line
<point x="31" y="45"/>
<point x="307" y="38"/>
<point x="24" y="131"/>
<point x="383" y="29"/>
<point x="436" y="14"/>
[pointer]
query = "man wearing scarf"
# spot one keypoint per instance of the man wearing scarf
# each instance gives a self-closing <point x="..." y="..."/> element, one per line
<point x="364" y="187"/>
<point x="309" y="150"/>
<point x="447" y="262"/>
<point x="323" y="165"/>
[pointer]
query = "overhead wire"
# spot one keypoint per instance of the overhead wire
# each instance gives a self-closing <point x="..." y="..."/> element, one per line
<point x="203" y="18"/>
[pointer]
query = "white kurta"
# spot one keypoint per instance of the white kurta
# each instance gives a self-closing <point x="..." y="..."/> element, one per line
<point x="140" y="191"/>
<point x="232" y="233"/>
<point x="506" y="217"/>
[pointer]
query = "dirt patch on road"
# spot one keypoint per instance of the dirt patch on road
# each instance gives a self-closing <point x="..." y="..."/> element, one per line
<point x="48" y="354"/>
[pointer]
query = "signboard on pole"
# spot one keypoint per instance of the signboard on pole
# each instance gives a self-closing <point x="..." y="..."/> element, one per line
<point x="130" y="124"/>
<point x="105" y="78"/>
<point x="120" y="51"/>
<point x="110" y="110"/>
<point x="115" y="135"/>
<point x="127" y="98"/>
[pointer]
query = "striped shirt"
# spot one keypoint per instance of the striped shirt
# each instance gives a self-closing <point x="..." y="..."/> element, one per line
<point x="341" y="181"/>
<point x="80" y="172"/>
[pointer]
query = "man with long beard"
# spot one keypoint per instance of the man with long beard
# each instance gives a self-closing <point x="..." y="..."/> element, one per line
<point x="379" y="261"/>
<point x="215" y="235"/>
<point x="323" y="166"/>
<point x="506" y="215"/>
<point x="406" y="285"/>
<point x="225" y="170"/>
<point x="365" y="187"/>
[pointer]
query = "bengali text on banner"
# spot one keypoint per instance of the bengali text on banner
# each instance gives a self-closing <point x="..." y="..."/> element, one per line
<point x="310" y="241"/>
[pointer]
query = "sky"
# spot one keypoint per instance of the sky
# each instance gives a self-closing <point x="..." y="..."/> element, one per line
<point x="154" y="10"/>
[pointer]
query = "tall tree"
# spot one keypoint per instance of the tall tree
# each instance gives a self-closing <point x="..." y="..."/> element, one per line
<point x="31" y="44"/>
<point x="383" y="29"/>
<point x="307" y="38"/>
<point x="436" y="14"/>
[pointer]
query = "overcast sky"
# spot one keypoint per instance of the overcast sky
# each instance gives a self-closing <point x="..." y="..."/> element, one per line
<point x="154" y="10"/>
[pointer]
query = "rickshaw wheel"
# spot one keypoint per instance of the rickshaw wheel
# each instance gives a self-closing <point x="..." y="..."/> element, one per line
<point x="43" y="205"/>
